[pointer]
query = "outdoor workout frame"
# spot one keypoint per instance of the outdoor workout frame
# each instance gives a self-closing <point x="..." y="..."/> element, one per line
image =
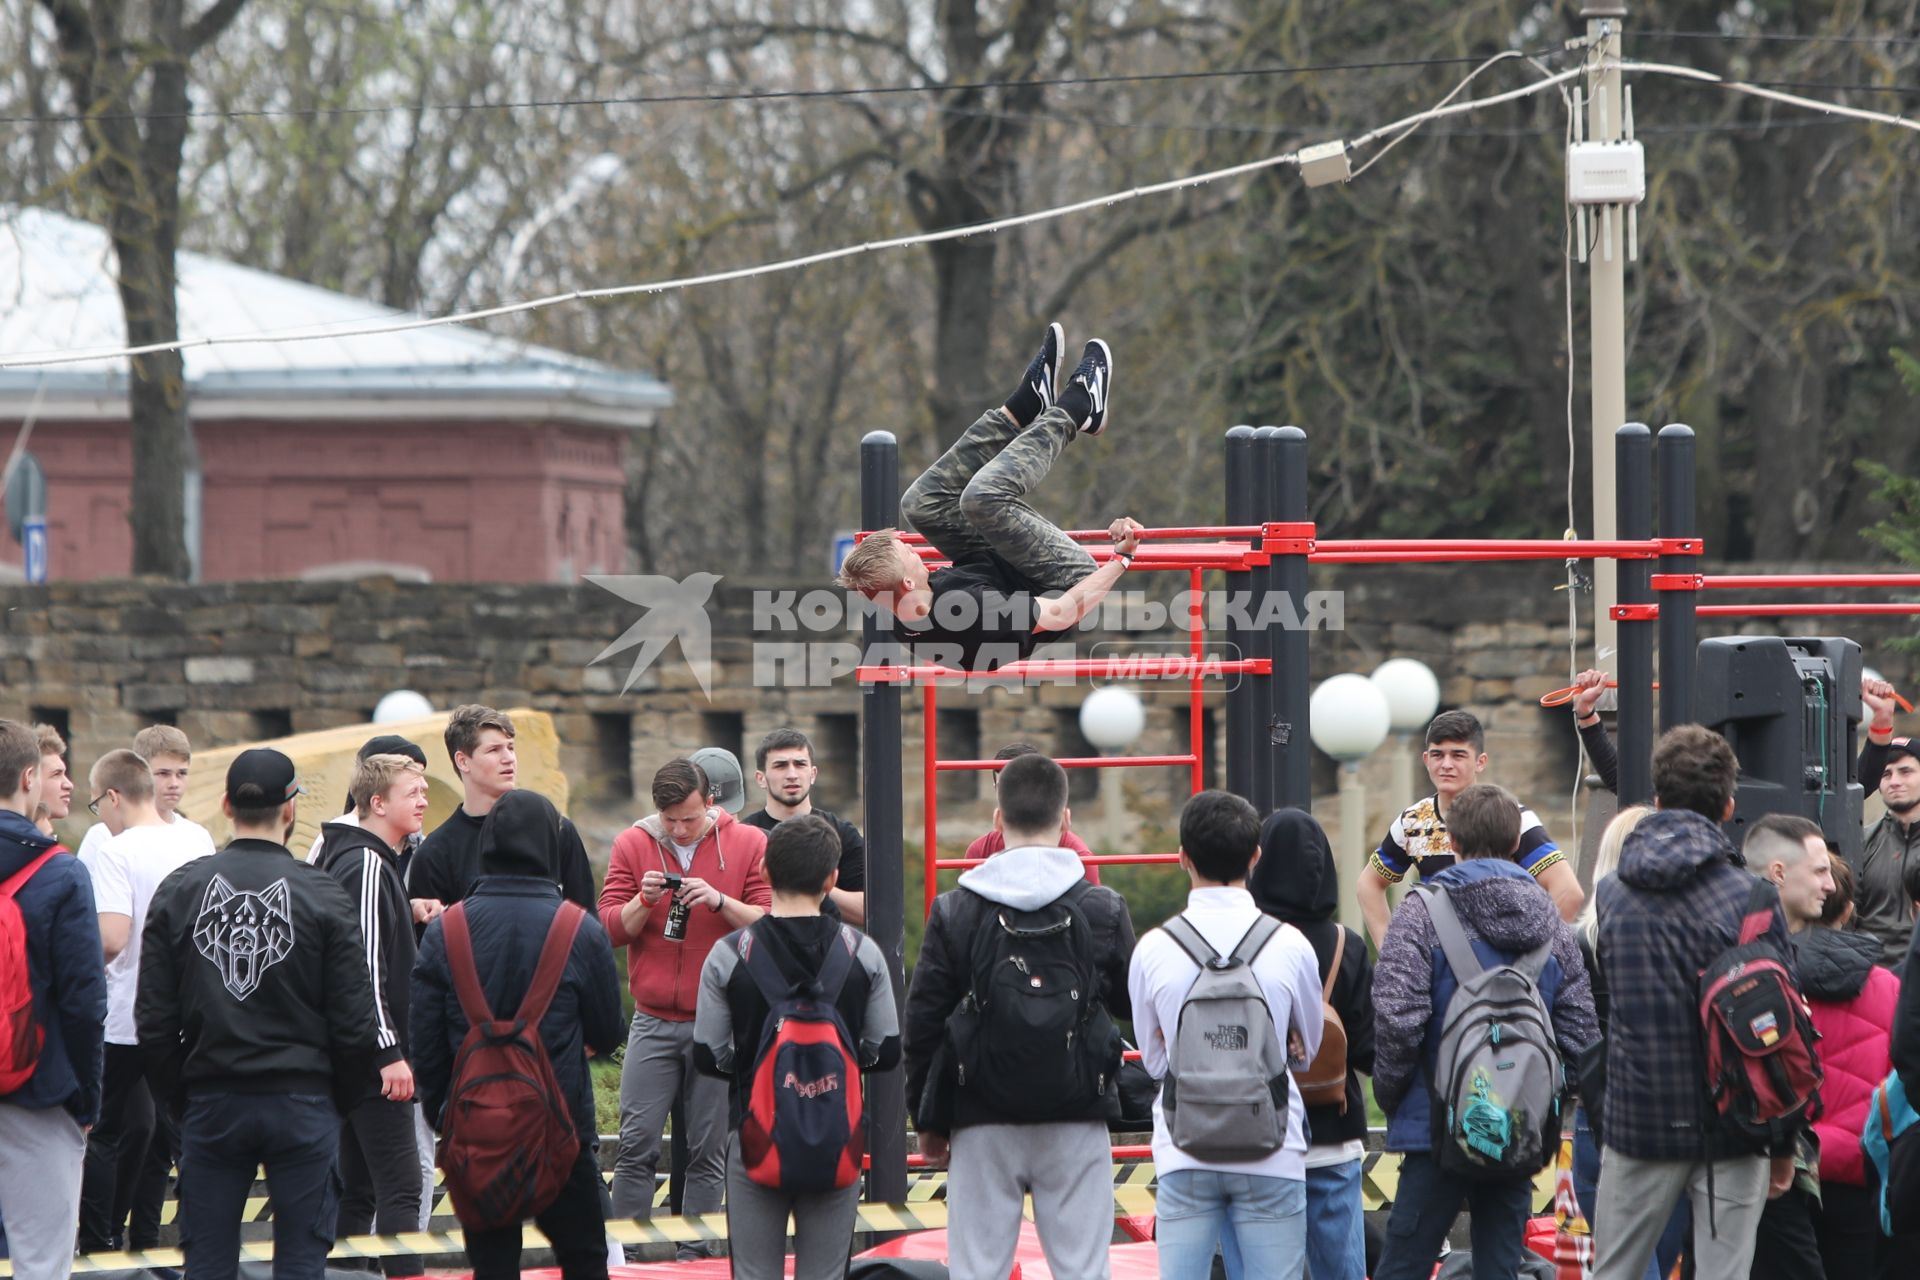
<point x="1265" y="549"/>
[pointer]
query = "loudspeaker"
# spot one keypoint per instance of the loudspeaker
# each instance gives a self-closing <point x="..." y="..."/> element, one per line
<point x="1790" y="707"/>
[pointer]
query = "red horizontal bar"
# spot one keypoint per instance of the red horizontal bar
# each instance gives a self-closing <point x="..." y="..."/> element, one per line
<point x="1091" y="860"/>
<point x="1155" y="668"/>
<point x="1241" y="531"/>
<point x="1196" y="555"/>
<point x="1795" y="581"/>
<point x="1648" y="612"/>
<point x="1435" y="550"/>
<point x="1076" y="762"/>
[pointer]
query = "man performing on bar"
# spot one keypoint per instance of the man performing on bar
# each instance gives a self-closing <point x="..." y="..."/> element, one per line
<point x="1015" y="576"/>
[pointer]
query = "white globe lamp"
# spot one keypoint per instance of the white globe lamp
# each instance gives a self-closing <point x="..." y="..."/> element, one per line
<point x="1413" y="692"/>
<point x="1112" y="718"/>
<point x="401" y="704"/>
<point x="1350" y="717"/>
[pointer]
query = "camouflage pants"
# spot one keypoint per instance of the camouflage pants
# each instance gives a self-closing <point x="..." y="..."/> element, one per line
<point x="972" y="502"/>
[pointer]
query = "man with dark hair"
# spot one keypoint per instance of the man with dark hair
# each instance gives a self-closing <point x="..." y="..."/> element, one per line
<point x="253" y="1006"/>
<point x="480" y="744"/>
<point x="1677" y="901"/>
<point x="1791" y="851"/>
<point x="1885" y="906"/>
<point x="1258" y="1206"/>
<point x="141" y="851"/>
<point x="43" y="1121"/>
<point x="1504" y="914"/>
<point x="992" y="841"/>
<point x="379" y="1150"/>
<point x="785" y="950"/>
<point x="784" y="768"/>
<point x="508" y="915"/>
<point x="999" y="1156"/>
<point x="678" y="881"/>
<point x="1455" y="757"/>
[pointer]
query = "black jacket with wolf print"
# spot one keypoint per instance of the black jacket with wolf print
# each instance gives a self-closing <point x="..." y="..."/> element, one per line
<point x="253" y="978"/>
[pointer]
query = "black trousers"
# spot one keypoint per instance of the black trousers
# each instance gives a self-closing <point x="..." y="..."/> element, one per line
<point x="380" y="1173"/>
<point x="576" y="1223"/>
<point x="150" y="1187"/>
<point x="116" y="1149"/>
<point x="1787" y="1248"/>
<point x="224" y="1139"/>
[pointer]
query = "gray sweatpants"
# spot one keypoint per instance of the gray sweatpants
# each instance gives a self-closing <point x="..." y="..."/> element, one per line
<point x="1066" y="1168"/>
<point x="973" y="499"/>
<point x="757" y="1228"/>
<point x="1635" y="1198"/>
<point x="659" y="1064"/>
<point x="41" y="1152"/>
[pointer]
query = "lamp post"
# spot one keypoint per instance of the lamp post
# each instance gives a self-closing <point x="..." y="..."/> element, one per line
<point x="1112" y="719"/>
<point x="1350" y="718"/>
<point x="1413" y="694"/>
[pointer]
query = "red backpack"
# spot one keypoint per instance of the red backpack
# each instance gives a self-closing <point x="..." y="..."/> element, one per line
<point x="1762" y="1071"/>
<point x="507" y="1141"/>
<point x="802" y="1129"/>
<point x="23" y="1034"/>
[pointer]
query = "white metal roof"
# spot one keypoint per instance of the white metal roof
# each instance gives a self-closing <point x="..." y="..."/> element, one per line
<point x="57" y="294"/>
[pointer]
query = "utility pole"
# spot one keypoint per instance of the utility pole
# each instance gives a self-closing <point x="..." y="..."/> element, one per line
<point x="1608" y="123"/>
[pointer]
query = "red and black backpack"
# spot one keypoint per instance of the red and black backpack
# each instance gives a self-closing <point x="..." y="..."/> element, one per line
<point x="1762" y="1072"/>
<point x="802" y="1130"/>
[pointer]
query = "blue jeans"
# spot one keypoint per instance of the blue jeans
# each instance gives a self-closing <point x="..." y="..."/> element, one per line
<point x="224" y="1138"/>
<point x="1586" y="1177"/>
<point x="1425" y="1206"/>
<point x="1336" y="1228"/>
<point x="1262" y="1221"/>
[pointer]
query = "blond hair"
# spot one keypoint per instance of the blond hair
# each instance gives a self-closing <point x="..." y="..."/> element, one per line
<point x="123" y="771"/>
<point x="51" y="743"/>
<point x="1606" y="857"/>
<point x="376" y="775"/>
<point x="162" y="740"/>
<point x="873" y="565"/>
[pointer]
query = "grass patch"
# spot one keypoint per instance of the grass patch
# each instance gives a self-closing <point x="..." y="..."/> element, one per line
<point x="605" y="1074"/>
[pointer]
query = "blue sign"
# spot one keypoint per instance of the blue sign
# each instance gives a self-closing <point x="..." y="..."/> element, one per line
<point x="34" y="538"/>
<point x="842" y="547"/>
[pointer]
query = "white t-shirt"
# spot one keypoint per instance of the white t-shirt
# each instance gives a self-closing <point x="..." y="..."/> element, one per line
<point x="97" y="835"/>
<point x="126" y="870"/>
<point x="1162" y="973"/>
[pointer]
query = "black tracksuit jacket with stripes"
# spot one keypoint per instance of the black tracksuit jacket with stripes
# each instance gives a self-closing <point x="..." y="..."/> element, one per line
<point x="369" y="871"/>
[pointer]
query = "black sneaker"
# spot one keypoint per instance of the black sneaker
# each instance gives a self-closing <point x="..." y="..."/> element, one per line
<point x="1035" y="394"/>
<point x="1085" y="396"/>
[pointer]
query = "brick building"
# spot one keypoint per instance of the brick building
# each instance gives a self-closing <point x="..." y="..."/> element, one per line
<point x="443" y="454"/>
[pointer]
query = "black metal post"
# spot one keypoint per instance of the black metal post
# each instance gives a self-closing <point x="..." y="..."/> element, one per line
<point x="1240" y="726"/>
<point x="880" y="752"/>
<point x="1678" y="623"/>
<point x="1633" y="517"/>
<point x="1287" y="724"/>
<point x="1260" y="700"/>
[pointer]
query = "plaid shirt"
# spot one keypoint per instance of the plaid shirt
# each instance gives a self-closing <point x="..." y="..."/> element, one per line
<point x="1675" y="904"/>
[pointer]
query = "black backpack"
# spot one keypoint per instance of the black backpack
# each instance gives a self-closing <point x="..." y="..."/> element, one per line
<point x="1032" y="1038"/>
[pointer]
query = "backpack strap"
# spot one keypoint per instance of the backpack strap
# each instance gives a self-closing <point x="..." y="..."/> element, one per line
<point x="1451" y="933"/>
<point x="1255" y="939"/>
<point x="1333" y="970"/>
<point x="1198" y="949"/>
<point x="1758" y="918"/>
<point x="774" y="986"/>
<point x="18" y="880"/>
<point x="553" y="963"/>
<point x="839" y="964"/>
<point x="466" y="978"/>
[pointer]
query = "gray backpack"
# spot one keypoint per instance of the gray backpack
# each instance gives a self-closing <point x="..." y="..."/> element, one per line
<point x="1498" y="1081"/>
<point x="1225" y="1095"/>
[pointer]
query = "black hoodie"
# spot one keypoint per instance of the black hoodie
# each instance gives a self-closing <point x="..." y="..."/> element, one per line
<point x="448" y="862"/>
<point x="1296" y="881"/>
<point x="369" y="870"/>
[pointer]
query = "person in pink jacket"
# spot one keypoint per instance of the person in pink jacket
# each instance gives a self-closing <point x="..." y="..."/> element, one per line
<point x="1853" y="1002"/>
<point x="677" y="883"/>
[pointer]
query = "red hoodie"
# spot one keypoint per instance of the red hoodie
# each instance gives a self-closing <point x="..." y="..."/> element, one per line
<point x="993" y="842"/>
<point x="665" y="976"/>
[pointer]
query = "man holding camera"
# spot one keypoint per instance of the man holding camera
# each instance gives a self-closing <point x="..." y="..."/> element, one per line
<point x="677" y="883"/>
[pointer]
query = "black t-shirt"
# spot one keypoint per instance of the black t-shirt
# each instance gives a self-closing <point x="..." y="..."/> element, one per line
<point x="853" y="848"/>
<point x="982" y="618"/>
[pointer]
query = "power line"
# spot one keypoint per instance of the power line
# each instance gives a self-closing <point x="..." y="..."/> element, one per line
<point x="1782" y="37"/>
<point x="753" y="95"/>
